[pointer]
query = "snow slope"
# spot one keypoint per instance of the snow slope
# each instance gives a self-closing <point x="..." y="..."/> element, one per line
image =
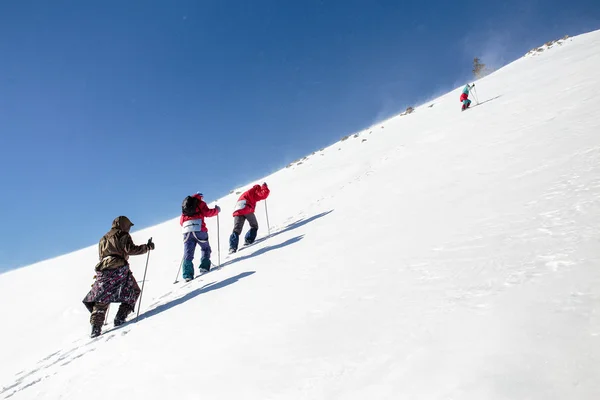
<point x="449" y="256"/>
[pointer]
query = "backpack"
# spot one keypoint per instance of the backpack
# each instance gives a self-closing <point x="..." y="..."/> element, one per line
<point x="189" y="207"/>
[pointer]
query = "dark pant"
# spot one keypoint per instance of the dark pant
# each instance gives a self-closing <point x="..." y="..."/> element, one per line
<point x="99" y="312"/>
<point x="238" y="225"/>
<point x="112" y="286"/>
<point x="190" y="240"/>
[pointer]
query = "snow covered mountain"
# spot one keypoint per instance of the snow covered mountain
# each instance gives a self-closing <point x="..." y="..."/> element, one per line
<point x="438" y="255"/>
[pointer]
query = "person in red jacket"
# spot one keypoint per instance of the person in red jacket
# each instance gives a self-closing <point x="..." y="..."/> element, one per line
<point x="244" y="210"/>
<point x="193" y="212"/>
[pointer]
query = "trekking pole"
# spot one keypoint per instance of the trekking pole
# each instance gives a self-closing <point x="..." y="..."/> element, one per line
<point x="475" y="93"/>
<point x="218" y="240"/>
<point x="106" y="315"/>
<point x="143" y="283"/>
<point x="178" y="271"/>
<point x="267" y="214"/>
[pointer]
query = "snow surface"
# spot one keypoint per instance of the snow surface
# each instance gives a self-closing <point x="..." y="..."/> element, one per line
<point x="449" y="256"/>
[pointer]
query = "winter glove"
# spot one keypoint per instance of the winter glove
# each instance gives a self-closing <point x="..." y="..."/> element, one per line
<point x="218" y="209"/>
<point x="150" y="244"/>
<point x="265" y="184"/>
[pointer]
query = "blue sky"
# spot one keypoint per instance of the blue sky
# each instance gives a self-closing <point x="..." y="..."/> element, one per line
<point x="124" y="107"/>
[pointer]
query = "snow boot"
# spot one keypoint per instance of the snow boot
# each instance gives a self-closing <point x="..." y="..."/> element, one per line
<point x="205" y="265"/>
<point x="96" y="331"/>
<point x="250" y="236"/>
<point x="122" y="313"/>
<point x="234" y="240"/>
<point x="188" y="270"/>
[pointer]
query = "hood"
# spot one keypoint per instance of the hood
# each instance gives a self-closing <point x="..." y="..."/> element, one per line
<point x="122" y="223"/>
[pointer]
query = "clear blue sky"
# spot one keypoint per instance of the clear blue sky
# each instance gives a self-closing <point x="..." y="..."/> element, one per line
<point x="124" y="107"/>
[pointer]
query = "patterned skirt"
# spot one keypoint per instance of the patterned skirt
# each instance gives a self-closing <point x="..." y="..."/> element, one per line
<point x="113" y="286"/>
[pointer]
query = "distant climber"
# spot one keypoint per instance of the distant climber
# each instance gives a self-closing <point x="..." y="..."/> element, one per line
<point x="464" y="97"/>
<point x="193" y="212"/>
<point x="114" y="280"/>
<point x="244" y="210"/>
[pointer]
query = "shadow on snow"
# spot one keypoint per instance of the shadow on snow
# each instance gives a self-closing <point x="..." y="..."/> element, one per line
<point x="209" y="287"/>
<point x="218" y="285"/>
<point x="292" y="226"/>
<point x="485" y="101"/>
<point x="299" y="223"/>
<point x="263" y="250"/>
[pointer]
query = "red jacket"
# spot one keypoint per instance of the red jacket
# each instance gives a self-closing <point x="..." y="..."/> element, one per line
<point x="464" y="97"/>
<point x="248" y="199"/>
<point x="202" y="211"/>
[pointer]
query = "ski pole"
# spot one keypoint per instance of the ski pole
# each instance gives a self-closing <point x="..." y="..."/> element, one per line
<point x="218" y="240"/>
<point x="106" y="315"/>
<point x="143" y="283"/>
<point x="475" y="93"/>
<point x="178" y="271"/>
<point x="267" y="214"/>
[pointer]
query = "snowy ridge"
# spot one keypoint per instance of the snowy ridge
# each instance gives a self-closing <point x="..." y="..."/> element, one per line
<point x="546" y="46"/>
<point x="449" y="256"/>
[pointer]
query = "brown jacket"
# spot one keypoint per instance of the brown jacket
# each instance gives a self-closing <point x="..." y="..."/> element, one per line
<point x="116" y="246"/>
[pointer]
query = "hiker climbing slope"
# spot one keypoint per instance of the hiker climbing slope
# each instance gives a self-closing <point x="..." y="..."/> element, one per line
<point x="244" y="211"/>
<point x="114" y="280"/>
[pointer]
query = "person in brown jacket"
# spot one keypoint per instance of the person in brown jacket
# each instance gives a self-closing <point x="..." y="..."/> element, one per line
<point x="114" y="280"/>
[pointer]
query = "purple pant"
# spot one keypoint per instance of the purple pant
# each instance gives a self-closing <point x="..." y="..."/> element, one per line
<point x="190" y="240"/>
